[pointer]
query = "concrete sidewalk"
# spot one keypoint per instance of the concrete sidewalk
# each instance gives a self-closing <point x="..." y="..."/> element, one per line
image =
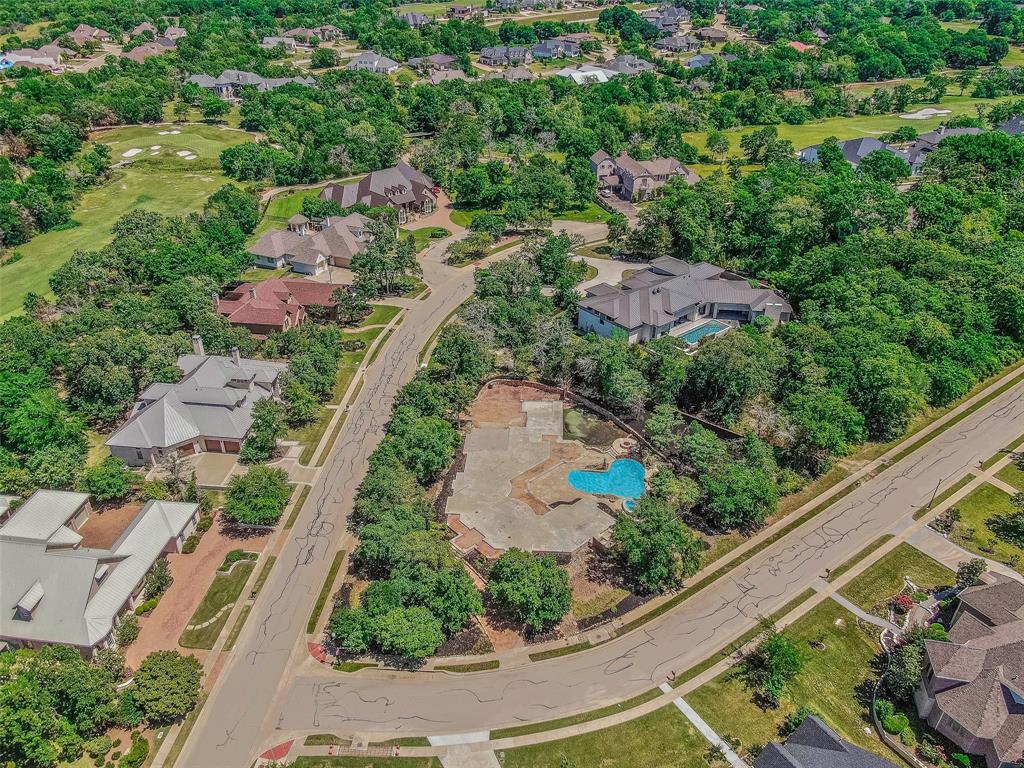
<point x="707" y="731"/>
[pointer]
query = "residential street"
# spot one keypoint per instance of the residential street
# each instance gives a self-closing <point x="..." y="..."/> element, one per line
<point x="271" y="690"/>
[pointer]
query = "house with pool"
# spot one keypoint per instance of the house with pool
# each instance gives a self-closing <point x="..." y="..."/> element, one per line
<point x="676" y="298"/>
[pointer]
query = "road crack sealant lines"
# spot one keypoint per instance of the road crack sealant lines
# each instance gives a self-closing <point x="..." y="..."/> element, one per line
<point x="271" y="690"/>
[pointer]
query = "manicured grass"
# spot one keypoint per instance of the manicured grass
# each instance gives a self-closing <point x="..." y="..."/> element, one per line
<point x="352" y="666"/>
<point x="297" y="506"/>
<point x="852" y="127"/>
<point x="873" y="588"/>
<point x="98" y="449"/>
<point x="944" y="495"/>
<point x="663" y="738"/>
<point x="424" y="236"/>
<point x="464" y="216"/>
<point x="404" y="741"/>
<point x="972" y="532"/>
<point x="225" y="589"/>
<point x="365" y="762"/>
<point x="436" y="9"/>
<point x="555" y="653"/>
<point x="236" y="629"/>
<point x="282" y="208"/>
<point x="859" y="557"/>
<point x="1013" y="475"/>
<point x="585" y="717"/>
<point x="591" y="212"/>
<point x="590" y="273"/>
<point x="832" y="682"/>
<point x="264" y="574"/>
<point x="1015" y="58"/>
<point x="382" y="314"/>
<point x="479" y="666"/>
<point x="325" y="591"/>
<point x="258" y="275"/>
<point x="165" y="183"/>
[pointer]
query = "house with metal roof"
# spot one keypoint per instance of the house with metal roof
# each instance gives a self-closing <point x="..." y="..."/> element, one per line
<point x="637" y="179"/>
<point x="54" y="590"/>
<point x="972" y="691"/>
<point x="587" y="74"/>
<point x="402" y="187"/>
<point x="814" y="745"/>
<point x="209" y="410"/>
<point x="674" y="298"/>
<point x="371" y="61"/>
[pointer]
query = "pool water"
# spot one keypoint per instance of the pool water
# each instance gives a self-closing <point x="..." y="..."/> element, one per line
<point x="625" y="478"/>
<point x="696" y="334"/>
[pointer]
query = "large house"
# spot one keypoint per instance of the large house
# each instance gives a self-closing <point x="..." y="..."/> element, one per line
<point x="149" y="49"/>
<point x="54" y="590"/>
<point x="636" y="179"/>
<point x="587" y="74"/>
<point x="505" y="56"/>
<point x="703" y="59"/>
<point x="926" y="143"/>
<point x="556" y="48"/>
<point x="674" y="298"/>
<point x="973" y="687"/>
<point x="854" y="150"/>
<point x="415" y="19"/>
<point x="678" y="44"/>
<point x="231" y="82"/>
<point x="274" y="305"/>
<point x="667" y="19"/>
<point x="628" y="64"/>
<point x="85" y="33"/>
<point x="402" y="187"/>
<point x="46" y="58"/>
<point x="713" y="35"/>
<point x="520" y="74"/>
<point x="209" y="410"/>
<point x="370" y="61"/>
<point x="270" y="42"/>
<point x="814" y="745"/>
<point x="310" y="247"/>
<point x="436" y="61"/>
<point x="308" y="34"/>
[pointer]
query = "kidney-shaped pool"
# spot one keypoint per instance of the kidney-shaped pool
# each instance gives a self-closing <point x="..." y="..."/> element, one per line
<point x="625" y="478"/>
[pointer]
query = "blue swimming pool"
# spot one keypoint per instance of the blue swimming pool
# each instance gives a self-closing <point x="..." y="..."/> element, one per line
<point x="625" y="477"/>
<point x="696" y="334"/>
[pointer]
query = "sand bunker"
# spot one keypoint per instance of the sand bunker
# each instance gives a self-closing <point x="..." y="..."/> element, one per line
<point x="131" y="152"/>
<point x="162" y="133"/>
<point x="155" y="147"/>
<point x="190" y="157"/>
<point x="924" y="114"/>
<point x="183" y="152"/>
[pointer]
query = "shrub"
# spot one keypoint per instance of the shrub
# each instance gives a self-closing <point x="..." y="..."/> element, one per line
<point x="233" y="557"/>
<point x="128" y="713"/>
<point x="205" y="523"/>
<point x="158" y="580"/>
<point x="960" y="760"/>
<point x="796" y="719"/>
<point x="895" y="724"/>
<point x="930" y="751"/>
<point x="919" y="597"/>
<point x="353" y="345"/>
<point x="98" y="746"/>
<point x="154" y="489"/>
<point x="902" y="603"/>
<point x="147" y="607"/>
<point x="136" y="756"/>
<point x="884" y="709"/>
<point x="109" y="480"/>
<point x="907" y="737"/>
<point x="99" y="761"/>
<point x="190" y="544"/>
<point x="127" y="631"/>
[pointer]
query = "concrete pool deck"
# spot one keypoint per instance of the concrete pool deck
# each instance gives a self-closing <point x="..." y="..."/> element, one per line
<point x="514" y="489"/>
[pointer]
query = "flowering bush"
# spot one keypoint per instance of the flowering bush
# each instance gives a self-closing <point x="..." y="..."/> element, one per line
<point x="902" y="603"/>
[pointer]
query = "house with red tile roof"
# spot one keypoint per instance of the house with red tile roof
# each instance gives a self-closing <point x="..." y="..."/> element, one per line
<point x="273" y="305"/>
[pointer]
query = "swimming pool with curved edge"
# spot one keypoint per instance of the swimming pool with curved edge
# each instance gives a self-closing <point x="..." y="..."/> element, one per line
<point x="625" y="478"/>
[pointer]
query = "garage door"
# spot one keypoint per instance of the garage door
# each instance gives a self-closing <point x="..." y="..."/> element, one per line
<point x="187" y="450"/>
<point x="232" y="447"/>
<point x="213" y="446"/>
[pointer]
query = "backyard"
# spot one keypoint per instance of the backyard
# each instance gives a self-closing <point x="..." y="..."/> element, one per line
<point x="163" y="182"/>
<point x="834" y="682"/>
<point x="282" y="208"/>
<point x="883" y="580"/>
<point x="973" y="533"/>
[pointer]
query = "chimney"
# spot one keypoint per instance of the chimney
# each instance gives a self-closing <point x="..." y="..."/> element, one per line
<point x="197" y="344"/>
<point x="235" y="357"/>
<point x="252" y="292"/>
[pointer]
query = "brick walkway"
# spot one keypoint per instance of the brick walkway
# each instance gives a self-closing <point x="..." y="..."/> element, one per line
<point x="193" y="575"/>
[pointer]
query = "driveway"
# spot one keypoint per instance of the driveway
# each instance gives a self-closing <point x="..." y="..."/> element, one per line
<point x="193" y="575"/>
<point x="625" y="207"/>
<point x="608" y="270"/>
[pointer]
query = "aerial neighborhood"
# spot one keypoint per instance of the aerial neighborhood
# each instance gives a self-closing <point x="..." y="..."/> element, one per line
<point x="537" y="384"/>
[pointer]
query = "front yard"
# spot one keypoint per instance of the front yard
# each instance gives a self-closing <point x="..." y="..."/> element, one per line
<point x="973" y="532"/>
<point x="882" y="581"/>
<point x="662" y="739"/>
<point x="836" y="682"/>
<point x="212" y="614"/>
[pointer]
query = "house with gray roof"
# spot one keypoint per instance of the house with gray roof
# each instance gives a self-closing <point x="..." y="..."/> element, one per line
<point x="678" y="44"/>
<point x="307" y="34"/>
<point x="415" y="19"/>
<point x="402" y="187"/>
<point x="436" y="61"/>
<point x="371" y="61"/>
<point x="674" y="298"/>
<point x="972" y="691"/>
<point x="209" y="410"/>
<point x="814" y="745"/>
<point x="520" y="74"/>
<point x="854" y="150"/>
<point x="628" y="64"/>
<point x="310" y="247"/>
<point x="231" y="82"/>
<point x="55" y="590"/>
<point x="288" y="43"/>
<point x="713" y="35"/>
<point x="505" y="56"/>
<point x="637" y="179"/>
<point x="926" y="143"/>
<point x="667" y="19"/>
<point x="556" y="48"/>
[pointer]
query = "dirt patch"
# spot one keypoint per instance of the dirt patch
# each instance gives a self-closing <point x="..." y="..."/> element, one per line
<point x="105" y="526"/>
<point x="503" y="404"/>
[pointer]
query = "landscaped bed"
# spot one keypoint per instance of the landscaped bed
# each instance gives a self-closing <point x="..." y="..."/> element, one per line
<point x="883" y="580"/>
<point x="972" y="532"/>
<point x="833" y="683"/>
<point x="224" y="591"/>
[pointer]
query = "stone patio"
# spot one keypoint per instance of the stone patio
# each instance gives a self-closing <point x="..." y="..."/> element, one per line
<point x="513" y="491"/>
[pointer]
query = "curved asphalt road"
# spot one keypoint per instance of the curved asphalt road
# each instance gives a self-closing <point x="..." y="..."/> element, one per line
<point x="270" y="689"/>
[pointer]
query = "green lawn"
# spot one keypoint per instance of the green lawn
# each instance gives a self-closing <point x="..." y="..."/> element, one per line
<point x="1015" y="58"/>
<point x="883" y="580"/>
<point x="258" y="275"/>
<point x="662" y="739"/>
<point x="852" y="127"/>
<point x="436" y="9"/>
<point x="382" y="314"/>
<point x="589" y="213"/>
<point x="423" y="236"/>
<point x="973" y="534"/>
<point x="225" y="589"/>
<point x="832" y="682"/>
<point x="164" y="183"/>
<point x="282" y="208"/>
<point x="1012" y="474"/>
<point x="366" y="762"/>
